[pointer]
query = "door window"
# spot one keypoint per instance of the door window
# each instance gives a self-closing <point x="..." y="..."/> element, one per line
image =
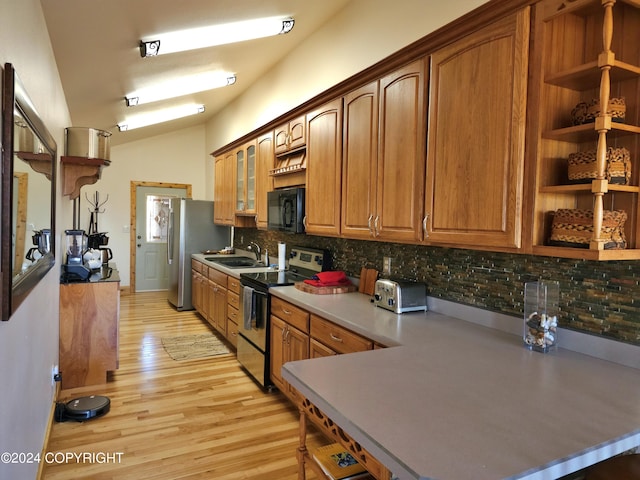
<point x="157" y="218"/>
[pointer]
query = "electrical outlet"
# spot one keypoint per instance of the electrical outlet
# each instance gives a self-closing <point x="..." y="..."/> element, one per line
<point x="54" y="374"/>
<point x="386" y="265"/>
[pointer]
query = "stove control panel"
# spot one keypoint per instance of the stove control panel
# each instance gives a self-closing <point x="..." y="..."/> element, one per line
<point x="313" y="259"/>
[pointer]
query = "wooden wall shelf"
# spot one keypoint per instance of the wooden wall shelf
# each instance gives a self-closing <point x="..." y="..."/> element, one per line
<point x="39" y="162"/>
<point x="80" y="171"/>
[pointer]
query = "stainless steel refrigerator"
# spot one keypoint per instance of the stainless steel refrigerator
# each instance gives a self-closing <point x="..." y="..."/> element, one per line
<point x="191" y="230"/>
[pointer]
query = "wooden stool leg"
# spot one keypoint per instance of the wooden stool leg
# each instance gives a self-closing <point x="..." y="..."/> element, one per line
<point x="301" y="453"/>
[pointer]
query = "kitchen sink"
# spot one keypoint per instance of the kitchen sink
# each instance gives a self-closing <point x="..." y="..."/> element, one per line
<point x="236" y="262"/>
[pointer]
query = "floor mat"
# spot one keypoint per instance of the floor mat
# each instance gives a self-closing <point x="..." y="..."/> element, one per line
<point x="190" y="347"/>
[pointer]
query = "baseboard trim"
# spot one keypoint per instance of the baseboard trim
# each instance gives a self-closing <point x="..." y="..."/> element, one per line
<point x="47" y="434"/>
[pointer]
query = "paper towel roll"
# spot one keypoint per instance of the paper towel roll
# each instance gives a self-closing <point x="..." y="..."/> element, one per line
<point x="282" y="255"/>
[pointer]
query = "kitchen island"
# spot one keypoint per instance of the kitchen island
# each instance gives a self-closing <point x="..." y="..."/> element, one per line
<point x="461" y="400"/>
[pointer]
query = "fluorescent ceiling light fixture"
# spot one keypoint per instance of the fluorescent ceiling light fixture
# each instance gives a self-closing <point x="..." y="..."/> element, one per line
<point x="179" y="87"/>
<point x="213" y="35"/>
<point x="160" y="116"/>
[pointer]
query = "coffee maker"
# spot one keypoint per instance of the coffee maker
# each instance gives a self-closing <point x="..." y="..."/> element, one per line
<point x="75" y="270"/>
<point x="42" y="241"/>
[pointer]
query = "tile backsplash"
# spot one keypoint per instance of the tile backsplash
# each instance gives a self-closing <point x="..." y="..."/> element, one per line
<point x="601" y="298"/>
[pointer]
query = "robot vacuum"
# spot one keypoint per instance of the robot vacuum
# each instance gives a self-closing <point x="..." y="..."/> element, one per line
<point x="82" y="408"/>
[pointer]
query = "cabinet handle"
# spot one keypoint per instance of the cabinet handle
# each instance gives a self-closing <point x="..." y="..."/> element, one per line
<point x="424" y="226"/>
<point x="334" y="338"/>
<point x="375" y="225"/>
<point x="285" y="311"/>
<point x="369" y="224"/>
<point x="304" y="222"/>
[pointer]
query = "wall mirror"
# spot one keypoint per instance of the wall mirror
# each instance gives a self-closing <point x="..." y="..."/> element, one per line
<point x="28" y="195"/>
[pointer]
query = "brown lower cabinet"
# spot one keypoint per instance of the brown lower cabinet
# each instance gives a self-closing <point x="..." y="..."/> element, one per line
<point x="298" y="335"/>
<point x="289" y="340"/>
<point x="216" y="297"/>
<point x="233" y="309"/>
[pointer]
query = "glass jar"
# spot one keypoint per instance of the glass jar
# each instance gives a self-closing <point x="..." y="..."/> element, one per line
<point x="541" y="315"/>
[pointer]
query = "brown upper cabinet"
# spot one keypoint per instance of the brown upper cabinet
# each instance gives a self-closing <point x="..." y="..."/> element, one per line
<point x="383" y="157"/>
<point x="240" y="184"/>
<point x="475" y="162"/>
<point x="467" y="144"/>
<point x="585" y="51"/>
<point x="324" y="159"/>
<point x="290" y="136"/>
<point x="223" y="194"/>
<point x="246" y="179"/>
<point x="264" y="181"/>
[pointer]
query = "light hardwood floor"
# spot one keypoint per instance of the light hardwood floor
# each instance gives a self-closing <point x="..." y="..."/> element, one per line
<point x="198" y="419"/>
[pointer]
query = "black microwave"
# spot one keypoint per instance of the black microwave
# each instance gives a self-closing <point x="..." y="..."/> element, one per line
<point x="286" y="210"/>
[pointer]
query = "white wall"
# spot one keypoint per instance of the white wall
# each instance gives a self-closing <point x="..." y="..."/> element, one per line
<point x="29" y="340"/>
<point x="177" y="157"/>
<point x="364" y="33"/>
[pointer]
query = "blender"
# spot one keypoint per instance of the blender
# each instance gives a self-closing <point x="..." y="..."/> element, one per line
<point x="75" y="269"/>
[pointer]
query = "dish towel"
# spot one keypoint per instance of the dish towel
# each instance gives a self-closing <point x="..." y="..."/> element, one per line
<point x="248" y="306"/>
<point x="329" y="279"/>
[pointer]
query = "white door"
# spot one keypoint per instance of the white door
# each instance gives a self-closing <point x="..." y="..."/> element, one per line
<point x="152" y="214"/>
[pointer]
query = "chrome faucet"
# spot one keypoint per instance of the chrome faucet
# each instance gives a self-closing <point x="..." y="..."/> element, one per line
<point x="255" y="248"/>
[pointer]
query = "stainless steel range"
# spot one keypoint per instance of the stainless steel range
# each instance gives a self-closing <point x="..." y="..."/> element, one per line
<point x="254" y="329"/>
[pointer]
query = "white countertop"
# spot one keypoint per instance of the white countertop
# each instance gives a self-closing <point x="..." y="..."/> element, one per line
<point x="356" y="312"/>
<point x="454" y="400"/>
<point x="469" y="402"/>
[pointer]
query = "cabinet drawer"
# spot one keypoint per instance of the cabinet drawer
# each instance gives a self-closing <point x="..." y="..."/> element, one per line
<point x="233" y="314"/>
<point x="317" y="350"/>
<point x="291" y="314"/>
<point x="196" y="265"/>
<point x="218" y="277"/>
<point x="233" y="299"/>
<point x="233" y="284"/>
<point x="338" y="338"/>
<point x="232" y="330"/>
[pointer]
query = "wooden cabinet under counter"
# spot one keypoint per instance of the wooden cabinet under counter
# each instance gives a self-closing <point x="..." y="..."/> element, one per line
<point x="337" y="338"/>
<point x="233" y="309"/>
<point x="89" y="324"/>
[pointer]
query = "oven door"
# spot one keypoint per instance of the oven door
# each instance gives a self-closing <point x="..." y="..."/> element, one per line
<point x="253" y="326"/>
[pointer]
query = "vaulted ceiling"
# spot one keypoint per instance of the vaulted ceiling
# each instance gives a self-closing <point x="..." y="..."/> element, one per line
<point x="96" y="49"/>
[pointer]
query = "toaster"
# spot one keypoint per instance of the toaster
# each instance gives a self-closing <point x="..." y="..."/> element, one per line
<point x="400" y="296"/>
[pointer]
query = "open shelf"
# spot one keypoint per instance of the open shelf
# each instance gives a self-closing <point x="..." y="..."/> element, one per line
<point x="584" y="77"/>
<point x="80" y="171"/>
<point x="587" y="132"/>
<point x="582" y="42"/>
<point x="586" y="188"/>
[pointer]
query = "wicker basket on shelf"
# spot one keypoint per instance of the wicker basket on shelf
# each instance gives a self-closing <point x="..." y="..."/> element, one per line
<point x="582" y="166"/>
<point x="586" y="112"/>
<point x="574" y="228"/>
